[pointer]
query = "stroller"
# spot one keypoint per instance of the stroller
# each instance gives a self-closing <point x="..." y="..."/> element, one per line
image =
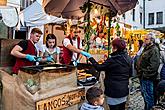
<point x="161" y="96"/>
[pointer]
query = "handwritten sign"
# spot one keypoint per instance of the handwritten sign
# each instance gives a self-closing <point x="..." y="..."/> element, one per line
<point x="61" y="101"/>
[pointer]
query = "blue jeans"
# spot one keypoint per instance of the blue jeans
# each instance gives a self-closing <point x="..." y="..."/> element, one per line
<point x="147" y="90"/>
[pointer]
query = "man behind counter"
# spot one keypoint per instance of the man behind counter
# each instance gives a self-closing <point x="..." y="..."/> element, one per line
<point x="72" y="47"/>
<point x="25" y="51"/>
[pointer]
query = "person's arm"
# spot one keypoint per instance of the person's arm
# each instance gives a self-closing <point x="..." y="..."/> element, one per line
<point x="73" y="48"/>
<point x="100" y="67"/>
<point x="69" y="46"/>
<point x="16" y="51"/>
<point x="42" y="57"/>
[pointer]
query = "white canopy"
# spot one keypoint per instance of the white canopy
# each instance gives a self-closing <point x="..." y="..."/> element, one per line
<point x="34" y="15"/>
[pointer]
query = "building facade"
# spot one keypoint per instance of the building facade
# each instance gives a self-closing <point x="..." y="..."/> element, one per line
<point x="155" y="14"/>
<point x="148" y="14"/>
<point x="134" y="17"/>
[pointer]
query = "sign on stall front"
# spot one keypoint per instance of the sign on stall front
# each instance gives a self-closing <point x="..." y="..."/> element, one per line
<point x="61" y="101"/>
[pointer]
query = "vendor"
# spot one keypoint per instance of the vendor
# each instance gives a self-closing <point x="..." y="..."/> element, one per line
<point x="25" y="51"/>
<point x="50" y="51"/>
<point x="72" y="47"/>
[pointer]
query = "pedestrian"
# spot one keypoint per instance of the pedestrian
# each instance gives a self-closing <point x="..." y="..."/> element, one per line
<point x="50" y="51"/>
<point x="72" y="47"/>
<point x="25" y="51"/>
<point x="161" y="70"/>
<point x="136" y="57"/>
<point x="117" y="72"/>
<point x="147" y="67"/>
<point x="95" y="99"/>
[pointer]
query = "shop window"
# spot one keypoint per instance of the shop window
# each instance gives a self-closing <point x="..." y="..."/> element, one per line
<point x="150" y="18"/>
<point x="141" y="18"/>
<point x="23" y="5"/>
<point x="159" y="18"/>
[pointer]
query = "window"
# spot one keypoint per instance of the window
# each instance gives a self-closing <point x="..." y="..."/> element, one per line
<point x="150" y="18"/>
<point x="159" y="18"/>
<point x="124" y="16"/>
<point x="141" y="17"/>
<point x="133" y="14"/>
<point x="22" y="4"/>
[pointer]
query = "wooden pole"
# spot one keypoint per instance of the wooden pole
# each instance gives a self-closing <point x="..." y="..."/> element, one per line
<point x="88" y="25"/>
<point x="109" y="34"/>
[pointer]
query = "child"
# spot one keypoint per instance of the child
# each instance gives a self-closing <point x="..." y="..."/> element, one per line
<point x="95" y="98"/>
<point x="50" y="51"/>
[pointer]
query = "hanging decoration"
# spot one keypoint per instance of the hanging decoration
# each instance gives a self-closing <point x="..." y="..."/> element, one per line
<point x="3" y="2"/>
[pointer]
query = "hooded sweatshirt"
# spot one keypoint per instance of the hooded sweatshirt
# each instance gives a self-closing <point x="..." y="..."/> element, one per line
<point x="87" y="106"/>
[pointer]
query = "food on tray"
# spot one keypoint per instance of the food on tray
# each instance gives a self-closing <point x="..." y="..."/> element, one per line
<point x="49" y="68"/>
<point x="82" y="73"/>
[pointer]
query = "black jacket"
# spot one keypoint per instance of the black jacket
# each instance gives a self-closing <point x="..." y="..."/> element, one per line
<point x="117" y="71"/>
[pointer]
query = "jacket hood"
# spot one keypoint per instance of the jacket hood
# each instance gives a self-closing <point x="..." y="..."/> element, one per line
<point x="87" y="106"/>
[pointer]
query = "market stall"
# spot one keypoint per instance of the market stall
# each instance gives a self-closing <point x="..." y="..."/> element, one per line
<point x="53" y="87"/>
<point x="42" y="88"/>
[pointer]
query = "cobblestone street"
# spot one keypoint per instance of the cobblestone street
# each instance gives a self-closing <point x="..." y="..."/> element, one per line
<point x="135" y="99"/>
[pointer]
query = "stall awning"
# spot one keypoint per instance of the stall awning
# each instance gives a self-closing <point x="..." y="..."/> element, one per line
<point x="34" y="15"/>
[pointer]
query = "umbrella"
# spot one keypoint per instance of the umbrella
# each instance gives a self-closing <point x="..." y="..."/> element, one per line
<point x="71" y="8"/>
<point x="123" y="5"/>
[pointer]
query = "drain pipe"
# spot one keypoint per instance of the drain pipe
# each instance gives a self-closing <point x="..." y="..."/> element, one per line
<point x="144" y="9"/>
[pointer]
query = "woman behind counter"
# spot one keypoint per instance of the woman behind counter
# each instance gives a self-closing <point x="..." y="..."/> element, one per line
<point x="117" y="72"/>
<point x="50" y="52"/>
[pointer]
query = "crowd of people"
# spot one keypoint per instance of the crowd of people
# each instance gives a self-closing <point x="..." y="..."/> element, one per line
<point x="148" y="64"/>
